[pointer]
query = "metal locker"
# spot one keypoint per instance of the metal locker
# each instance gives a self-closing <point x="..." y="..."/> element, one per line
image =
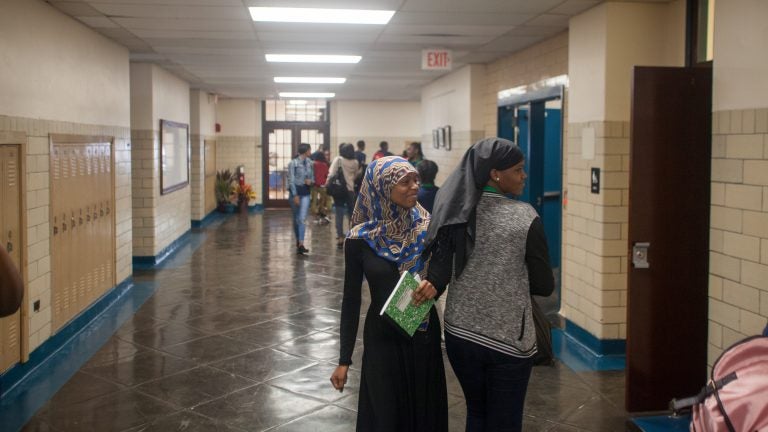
<point x="10" y="227"/>
<point x="83" y="250"/>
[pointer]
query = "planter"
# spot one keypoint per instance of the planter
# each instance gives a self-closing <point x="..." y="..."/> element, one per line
<point x="242" y="207"/>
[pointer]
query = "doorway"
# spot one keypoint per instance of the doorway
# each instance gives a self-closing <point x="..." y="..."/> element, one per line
<point x="536" y="127"/>
<point x="280" y="143"/>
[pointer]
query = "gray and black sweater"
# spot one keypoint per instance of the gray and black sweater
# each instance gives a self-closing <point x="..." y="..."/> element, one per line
<point x="489" y="303"/>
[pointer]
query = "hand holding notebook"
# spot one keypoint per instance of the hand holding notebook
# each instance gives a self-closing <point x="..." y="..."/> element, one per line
<point x="400" y="309"/>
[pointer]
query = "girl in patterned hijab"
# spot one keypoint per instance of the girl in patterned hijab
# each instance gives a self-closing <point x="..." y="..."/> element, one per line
<point x="386" y="218"/>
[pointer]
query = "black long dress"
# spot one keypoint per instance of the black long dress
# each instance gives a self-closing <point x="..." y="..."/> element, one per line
<point x="402" y="386"/>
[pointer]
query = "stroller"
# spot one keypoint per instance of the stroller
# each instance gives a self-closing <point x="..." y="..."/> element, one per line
<point x="736" y="397"/>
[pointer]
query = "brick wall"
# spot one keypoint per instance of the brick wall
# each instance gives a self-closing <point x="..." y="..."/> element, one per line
<point x="738" y="282"/>
<point x="596" y="231"/>
<point x="232" y="151"/>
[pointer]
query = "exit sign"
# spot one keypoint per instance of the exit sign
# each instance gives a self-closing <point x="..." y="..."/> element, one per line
<point x="436" y="59"/>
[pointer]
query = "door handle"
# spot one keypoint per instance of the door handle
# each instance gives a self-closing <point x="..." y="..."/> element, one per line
<point x="9" y="245"/>
<point x="551" y="194"/>
<point x="640" y="255"/>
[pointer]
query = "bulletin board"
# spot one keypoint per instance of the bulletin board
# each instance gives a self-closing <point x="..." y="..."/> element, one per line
<point x="174" y="156"/>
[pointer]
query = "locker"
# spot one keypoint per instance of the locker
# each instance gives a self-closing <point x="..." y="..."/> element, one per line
<point x="10" y="235"/>
<point x="83" y="251"/>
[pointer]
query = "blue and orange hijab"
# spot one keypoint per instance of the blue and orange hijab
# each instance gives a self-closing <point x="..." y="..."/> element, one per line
<point x="394" y="233"/>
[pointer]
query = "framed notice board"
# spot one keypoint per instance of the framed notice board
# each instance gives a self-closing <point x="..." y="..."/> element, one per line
<point x="174" y="156"/>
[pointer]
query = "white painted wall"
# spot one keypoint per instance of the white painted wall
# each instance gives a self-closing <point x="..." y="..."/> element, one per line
<point x="239" y="117"/>
<point x="455" y="99"/>
<point x="741" y="57"/>
<point x="606" y="42"/>
<point x="170" y="97"/>
<point x="202" y="114"/>
<point x="587" y="52"/>
<point x="141" y="96"/>
<point x="375" y="118"/>
<point x="54" y="68"/>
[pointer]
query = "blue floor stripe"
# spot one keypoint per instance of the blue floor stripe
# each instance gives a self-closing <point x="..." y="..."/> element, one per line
<point x="580" y="358"/>
<point x="662" y="423"/>
<point x="32" y="384"/>
<point x="40" y="384"/>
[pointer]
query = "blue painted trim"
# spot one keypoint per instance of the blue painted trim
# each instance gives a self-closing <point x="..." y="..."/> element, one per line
<point x="205" y="221"/>
<point x="257" y="208"/>
<point x="598" y="346"/>
<point x="575" y="347"/>
<point x="28" y="386"/>
<point x="661" y="423"/>
<point x="141" y="262"/>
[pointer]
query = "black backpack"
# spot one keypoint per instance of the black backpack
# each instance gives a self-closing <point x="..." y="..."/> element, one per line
<point x="337" y="185"/>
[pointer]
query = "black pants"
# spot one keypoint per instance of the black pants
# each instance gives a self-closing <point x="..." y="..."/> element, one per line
<point x="494" y="385"/>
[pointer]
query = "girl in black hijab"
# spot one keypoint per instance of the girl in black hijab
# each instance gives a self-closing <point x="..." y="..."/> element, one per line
<point x="493" y="251"/>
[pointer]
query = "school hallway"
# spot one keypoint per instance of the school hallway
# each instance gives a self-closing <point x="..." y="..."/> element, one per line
<point x="240" y="334"/>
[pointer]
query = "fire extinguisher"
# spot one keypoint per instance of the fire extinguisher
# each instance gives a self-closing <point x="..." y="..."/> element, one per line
<point x="240" y="175"/>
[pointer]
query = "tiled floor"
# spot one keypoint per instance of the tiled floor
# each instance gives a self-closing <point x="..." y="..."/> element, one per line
<point x="243" y="336"/>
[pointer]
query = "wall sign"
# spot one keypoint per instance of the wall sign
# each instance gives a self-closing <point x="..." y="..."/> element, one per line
<point x="595" y="182"/>
<point x="436" y="59"/>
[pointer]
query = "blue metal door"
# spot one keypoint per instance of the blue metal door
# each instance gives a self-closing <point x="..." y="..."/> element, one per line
<point x="538" y="132"/>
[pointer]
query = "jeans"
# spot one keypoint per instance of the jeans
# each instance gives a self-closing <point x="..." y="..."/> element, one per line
<point x="299" y="216"/>
<point x="341" y="208"/>
<point x="494" y="385"/>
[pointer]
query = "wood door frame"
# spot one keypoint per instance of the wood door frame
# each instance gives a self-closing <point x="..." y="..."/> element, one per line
<point x="295" y="127"/>
<point x="19" y="139"/>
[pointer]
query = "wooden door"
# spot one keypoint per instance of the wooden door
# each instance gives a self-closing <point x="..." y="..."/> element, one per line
<point x="10" y="234"/>
<point x="209" y="170"/>
<point x="668" y="224"/>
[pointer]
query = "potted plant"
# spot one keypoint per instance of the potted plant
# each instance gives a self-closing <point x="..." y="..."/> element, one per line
<point x="241" y="195"/>
<point x="223" y="188"/>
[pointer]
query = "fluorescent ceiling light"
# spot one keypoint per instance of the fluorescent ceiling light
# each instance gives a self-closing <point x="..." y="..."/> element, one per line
<point x="312" y="58"/>
<point x="310" y="80"/>
<point x="317" y="15"/>
<point x="297" y="102"/>
<point x="306" y="95"/>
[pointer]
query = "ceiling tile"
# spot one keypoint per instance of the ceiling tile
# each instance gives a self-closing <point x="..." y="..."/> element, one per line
<point x="97" y="22"/>
<point x="176" y="12"/>
<point x="76" y="8"/>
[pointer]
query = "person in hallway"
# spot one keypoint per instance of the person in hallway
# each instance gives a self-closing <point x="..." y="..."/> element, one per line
<point x="415" y="155"/>
<point x="347" y="164"/>
<point x="11" y="285"/>
<point x="497" y="257"/>
<point x="427" y="192"/>
<point x="360" y="153"/>
<point x="324" y="147"/>
<point x="402" y="385"/>
<point x="319" y="201"/>
<point x="383" y="151"/>
<point x="300" y="178"/>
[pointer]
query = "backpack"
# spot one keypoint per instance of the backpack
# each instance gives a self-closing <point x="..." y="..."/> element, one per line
<point x="337" y="185"/>
<point x="736" y="397"/>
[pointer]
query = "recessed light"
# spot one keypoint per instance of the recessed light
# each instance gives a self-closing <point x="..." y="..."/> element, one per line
<point x="306" y="95"/>
<point x="312" y="58"/>
<point x="317" y="15"/>
<point x="310" y="80"/>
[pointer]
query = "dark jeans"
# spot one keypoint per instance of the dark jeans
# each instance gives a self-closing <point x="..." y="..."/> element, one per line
<point x="494" y="385"/>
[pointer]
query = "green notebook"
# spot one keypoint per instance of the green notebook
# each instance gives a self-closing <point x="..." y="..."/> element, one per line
<point x="399" y="308"/>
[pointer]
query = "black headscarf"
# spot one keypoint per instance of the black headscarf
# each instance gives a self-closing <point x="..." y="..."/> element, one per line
<point x="457" y="198"/>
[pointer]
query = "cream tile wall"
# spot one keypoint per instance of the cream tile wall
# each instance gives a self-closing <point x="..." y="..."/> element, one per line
<point x="197" y="176"/>
<point x="738" y="280"/>
<point x="596" y="231"/>
<point x="158" y="219"/>
<point x="37" y="211"/>
<point x="232" y="151"/>
<point x="396" y="143"/>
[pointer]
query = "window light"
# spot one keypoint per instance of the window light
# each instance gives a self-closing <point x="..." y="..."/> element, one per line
<point x="312" y="58"/>
<point x="307" y="95"/>
<point x="310" y="80"/>
<point x="317" y="15"/>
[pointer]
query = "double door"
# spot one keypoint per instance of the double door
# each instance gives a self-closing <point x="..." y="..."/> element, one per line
<point x="280" y="145"/>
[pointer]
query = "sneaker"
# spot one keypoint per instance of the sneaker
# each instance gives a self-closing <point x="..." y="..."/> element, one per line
<point x="301" y="250"/>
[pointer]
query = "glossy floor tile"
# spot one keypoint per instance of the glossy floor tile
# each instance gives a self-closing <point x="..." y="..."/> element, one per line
<point x="242" y="335"/>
